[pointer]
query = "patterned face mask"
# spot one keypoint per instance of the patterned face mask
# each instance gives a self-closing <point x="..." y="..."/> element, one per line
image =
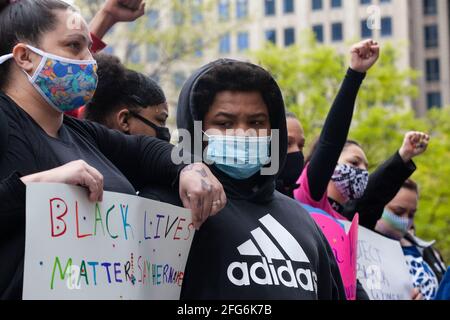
<point x="351" y="182"/>
<point x="65" y="84"/>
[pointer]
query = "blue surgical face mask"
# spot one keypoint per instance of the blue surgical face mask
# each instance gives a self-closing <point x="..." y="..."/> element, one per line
<point x="240" y="157"/>
<point x="401" y="224"/>
<point x="65" y="84"/>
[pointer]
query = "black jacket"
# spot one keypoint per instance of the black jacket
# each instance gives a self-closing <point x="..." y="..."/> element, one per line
<point x="384" y="183"/>
<point x="126" y="162"/>
<point x="261" y="234"/>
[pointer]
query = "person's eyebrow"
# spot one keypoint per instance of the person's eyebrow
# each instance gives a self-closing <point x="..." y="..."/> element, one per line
<point x="225" y="114"/>
<point x="362" y="160"/>
<point x="80" y="37"/>
<point x="258" y="115"/>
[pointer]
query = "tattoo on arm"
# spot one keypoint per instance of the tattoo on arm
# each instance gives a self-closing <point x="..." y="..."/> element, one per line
<point x="206" y="186"/>
<point x="202" y="172"/>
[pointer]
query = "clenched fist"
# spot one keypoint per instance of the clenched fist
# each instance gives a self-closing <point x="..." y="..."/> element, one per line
<point x="414" y="144"/>
<point x="364" y="55"/>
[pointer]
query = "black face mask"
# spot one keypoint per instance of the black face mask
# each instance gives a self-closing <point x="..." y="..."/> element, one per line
<point x="291" y="172"/>
<point x="162" y="133"/>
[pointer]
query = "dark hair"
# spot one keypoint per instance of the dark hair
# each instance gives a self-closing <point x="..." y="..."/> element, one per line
<point x="24" y="20"/>
<point x="316" y="143"/>
<point x="118" y="87"/>
<point x="291" y="115"/>
<point x="411" y="185"/>
<point x="349" y="143"/>
<point x="233" y="76"/>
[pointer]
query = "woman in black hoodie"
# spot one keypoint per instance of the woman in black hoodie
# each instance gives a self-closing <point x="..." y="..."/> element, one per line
<point x="262" y="245"/>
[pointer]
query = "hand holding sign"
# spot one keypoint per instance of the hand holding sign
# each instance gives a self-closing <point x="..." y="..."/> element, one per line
<point x="416" y="295"/>
<point x="125" y="247"/>
<point x="77" y="173"/>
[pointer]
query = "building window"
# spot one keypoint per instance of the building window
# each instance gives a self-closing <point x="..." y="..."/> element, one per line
<point x="241" y="9"/>
<point x="152" y="19"/>
<point x="288" y="6"/>
<point x="108" y="50"/>
<point x="178" y="79"/>
<point x="336" y="3"/>
<point x="178" y="14"/>
<point x="243" y="41"/>
<point x="433" y="70"/>
<point x="289" y="37"/>
<point x="317" y="4"/>
<point x="430" y="7"/>
<point x="224" y="10"/>
<point x="271" y="36"/>
<point x="386" y="27"/>
<point x="152" y="52"/>
<point x="318" y="31"/>
<point x="196" y="11"/>
<point x="431" y="36"/>
<point x="434" y="100"/>
<point x="336" y="32"/>
<point x="198" y="48"/>
<point x="365" y="2"/>
<point x="134" y="53"/>
<point x="269" y="7"/>
<point x="225" y="43"/>
<point x="366" y="32"/>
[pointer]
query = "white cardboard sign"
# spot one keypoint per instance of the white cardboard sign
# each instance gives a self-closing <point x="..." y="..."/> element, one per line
<point x="125" y="247"/>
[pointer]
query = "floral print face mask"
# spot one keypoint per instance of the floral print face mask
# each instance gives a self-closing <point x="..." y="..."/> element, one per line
<point x="65" y="84"/>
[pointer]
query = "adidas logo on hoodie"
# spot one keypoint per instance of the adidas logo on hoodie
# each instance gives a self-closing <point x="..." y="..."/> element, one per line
<point x="273" y="269"/>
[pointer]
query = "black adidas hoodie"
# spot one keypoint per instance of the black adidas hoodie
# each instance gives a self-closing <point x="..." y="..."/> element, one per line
<point x="262" y="245"/>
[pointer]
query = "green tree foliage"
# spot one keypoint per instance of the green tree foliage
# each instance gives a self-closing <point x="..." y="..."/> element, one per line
<point x="171" y="32"/>
<point x="310" y="75"/>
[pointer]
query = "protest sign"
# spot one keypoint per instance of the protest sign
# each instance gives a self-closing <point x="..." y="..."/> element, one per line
<point x="381" y="266"/>
<point x="342" y="244"/>
<point x="125" y="247"/>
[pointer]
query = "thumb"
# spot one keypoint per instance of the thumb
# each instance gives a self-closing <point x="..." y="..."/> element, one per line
<point x="185" y="200"/>
<point x="141" y="10"/>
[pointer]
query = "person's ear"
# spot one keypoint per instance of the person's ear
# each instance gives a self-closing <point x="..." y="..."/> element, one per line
<point x="25" y="59"/>
<point x="122" y="118"/>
